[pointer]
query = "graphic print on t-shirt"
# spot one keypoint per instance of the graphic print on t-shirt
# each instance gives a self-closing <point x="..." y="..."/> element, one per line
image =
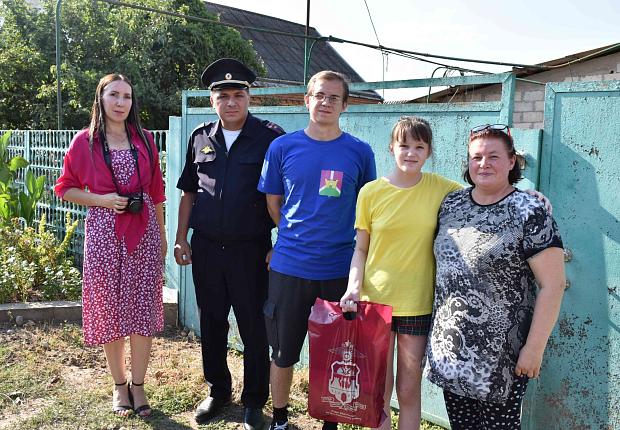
<point x="331" y="183"/>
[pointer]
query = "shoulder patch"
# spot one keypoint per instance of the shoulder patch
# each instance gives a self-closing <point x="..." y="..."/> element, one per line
<point x="273" y="126"/>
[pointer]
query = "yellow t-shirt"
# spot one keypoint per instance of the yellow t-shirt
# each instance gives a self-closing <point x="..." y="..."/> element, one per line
<point x="400" y="268"/>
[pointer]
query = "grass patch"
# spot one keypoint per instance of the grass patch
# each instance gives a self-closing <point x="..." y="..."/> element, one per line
<point x="25" y="376"/>
<point x="50" y="380"/>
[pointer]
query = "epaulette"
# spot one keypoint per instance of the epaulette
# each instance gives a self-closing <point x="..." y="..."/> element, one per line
<point x="273" y="126"/>
<point x="203" y="125"/>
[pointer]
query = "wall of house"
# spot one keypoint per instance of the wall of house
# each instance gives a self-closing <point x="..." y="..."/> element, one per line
<point x="530" y="98"/>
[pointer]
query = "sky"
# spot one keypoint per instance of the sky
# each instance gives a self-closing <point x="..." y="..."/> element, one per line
<point x="524" y="32"/>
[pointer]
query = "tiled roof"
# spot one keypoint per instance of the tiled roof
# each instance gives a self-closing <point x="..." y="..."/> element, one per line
<point x="283" y="56"/>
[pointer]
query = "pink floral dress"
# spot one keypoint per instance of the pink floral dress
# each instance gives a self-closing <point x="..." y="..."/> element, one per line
<point x="122" y="291"/>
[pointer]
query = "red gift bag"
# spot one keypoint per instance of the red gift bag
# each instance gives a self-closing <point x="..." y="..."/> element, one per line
<point x="348" y="361"/>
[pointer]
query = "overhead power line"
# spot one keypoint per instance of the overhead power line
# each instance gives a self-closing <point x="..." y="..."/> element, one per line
<point x="383" y="54"/>
<point x="397" y="51"/>
<point x="208" y="21"/>
<point x="371" y="22"/>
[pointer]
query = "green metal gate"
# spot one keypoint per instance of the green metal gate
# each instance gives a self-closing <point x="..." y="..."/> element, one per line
<point x="576" y="162"/>
<point x="451" y="124"/>
<point x="579" y="386"/>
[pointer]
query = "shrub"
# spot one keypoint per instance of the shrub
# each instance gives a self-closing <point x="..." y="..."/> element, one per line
<point x="35" y="266"/>
<point x="16" y="202"/>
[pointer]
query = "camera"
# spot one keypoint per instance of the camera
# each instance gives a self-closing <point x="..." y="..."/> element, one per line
<point x="134" y="203"/>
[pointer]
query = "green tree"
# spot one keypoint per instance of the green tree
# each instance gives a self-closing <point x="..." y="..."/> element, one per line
<point x="23" y="65"/>
<point x="162" y="55"/>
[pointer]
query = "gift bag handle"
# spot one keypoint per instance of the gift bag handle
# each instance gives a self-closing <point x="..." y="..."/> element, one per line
<point x="349" y="316"/>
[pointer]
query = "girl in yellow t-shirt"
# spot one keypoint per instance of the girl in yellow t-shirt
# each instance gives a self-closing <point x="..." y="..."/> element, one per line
<point x="393" y="262"/>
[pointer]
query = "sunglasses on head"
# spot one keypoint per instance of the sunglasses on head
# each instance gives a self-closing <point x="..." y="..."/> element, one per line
<point x="498" y="127"/>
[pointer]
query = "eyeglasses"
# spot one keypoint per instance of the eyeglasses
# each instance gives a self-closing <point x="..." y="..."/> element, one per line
<point x="497" y="127"/>
<point x="320" y="97"/>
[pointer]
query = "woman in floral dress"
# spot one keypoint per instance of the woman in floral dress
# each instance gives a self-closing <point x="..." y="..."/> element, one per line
<point x="113" y="168"/>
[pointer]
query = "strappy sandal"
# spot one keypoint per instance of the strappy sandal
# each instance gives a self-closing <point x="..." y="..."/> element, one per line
<point x="121" y="409"/>
<point x="143" y="411"/>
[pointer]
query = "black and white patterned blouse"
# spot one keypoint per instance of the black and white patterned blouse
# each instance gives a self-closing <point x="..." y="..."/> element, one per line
<point x="485" y="291"/>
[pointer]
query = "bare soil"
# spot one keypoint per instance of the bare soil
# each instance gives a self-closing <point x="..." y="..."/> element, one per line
<point x="50" y="380"/>
<point x="50" y="365"/>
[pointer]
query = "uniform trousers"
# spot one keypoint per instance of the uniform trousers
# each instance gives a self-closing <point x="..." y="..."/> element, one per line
<point x="233" y="274"/>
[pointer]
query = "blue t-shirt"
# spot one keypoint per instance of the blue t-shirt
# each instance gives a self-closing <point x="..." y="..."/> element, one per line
<point x="320" y="181"/>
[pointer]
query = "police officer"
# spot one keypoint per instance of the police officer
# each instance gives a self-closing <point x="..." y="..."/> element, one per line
<point x="231" y="240"/>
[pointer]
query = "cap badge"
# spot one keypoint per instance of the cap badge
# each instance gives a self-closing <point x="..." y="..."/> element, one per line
<point x="228" y="76"/>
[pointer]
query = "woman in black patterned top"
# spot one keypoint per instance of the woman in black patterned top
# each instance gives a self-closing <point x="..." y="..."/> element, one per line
<point x="495" y="246"/>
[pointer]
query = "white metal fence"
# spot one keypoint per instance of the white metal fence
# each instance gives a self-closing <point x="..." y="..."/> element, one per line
<point x="45" y="150"/>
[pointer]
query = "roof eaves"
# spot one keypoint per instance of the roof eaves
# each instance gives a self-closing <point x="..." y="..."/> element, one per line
<point x="524" y="72"/>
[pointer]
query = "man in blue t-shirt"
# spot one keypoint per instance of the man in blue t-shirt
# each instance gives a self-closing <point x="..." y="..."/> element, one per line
<point x="311" y="178"/>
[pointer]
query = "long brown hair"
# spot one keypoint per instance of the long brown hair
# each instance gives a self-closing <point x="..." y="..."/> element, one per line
<point x="97" y="117"/>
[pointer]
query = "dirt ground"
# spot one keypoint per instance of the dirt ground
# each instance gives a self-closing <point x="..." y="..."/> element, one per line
<point x="52" y="381"/>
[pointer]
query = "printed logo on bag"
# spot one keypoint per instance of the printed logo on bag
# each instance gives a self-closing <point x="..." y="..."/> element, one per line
<point x="344" y="379"/>
<point x="331" y="183"/>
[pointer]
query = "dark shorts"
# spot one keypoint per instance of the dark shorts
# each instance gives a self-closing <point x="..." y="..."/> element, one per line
<point x="287" y="309"/>
<point x="418" y="325"/>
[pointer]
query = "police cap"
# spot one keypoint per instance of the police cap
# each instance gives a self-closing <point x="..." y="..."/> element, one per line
<point x="227" y="73"/>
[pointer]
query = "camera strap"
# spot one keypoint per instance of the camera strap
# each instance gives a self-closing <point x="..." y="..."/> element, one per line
<point x="108" y="161"/>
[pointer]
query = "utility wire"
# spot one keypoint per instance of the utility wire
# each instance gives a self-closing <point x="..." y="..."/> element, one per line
<point x="372" y="23"/>
<point x="301" y="36"/>
<point x="448" y="66"/>
<point x="444" y="57"/>
<point x="207" y="20"/>
<point x="586" y="57"/>
<point x="414" y="55"/>
<point x="383" y="54"/>
<point x="471" y="60"/>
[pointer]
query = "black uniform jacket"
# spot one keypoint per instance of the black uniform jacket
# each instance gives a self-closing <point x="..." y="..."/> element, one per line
<point x="228" y="207"/>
